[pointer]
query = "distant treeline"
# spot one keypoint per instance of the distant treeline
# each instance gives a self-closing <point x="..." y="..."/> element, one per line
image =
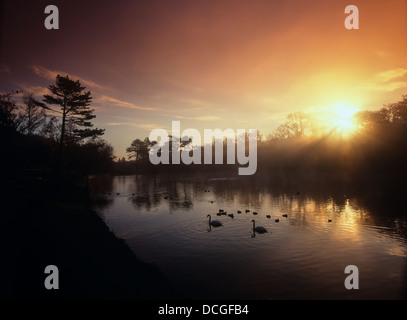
<point x="376" y="149"/>
<point x="34" y="136"/>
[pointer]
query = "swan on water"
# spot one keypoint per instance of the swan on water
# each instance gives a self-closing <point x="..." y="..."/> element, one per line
<point x="214" y="223"/>
<point x="259" y="229"/>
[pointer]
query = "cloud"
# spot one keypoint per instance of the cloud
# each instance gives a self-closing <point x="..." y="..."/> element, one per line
<point x="391" y="74"/>
<point x="52" y="74"/>
<point x="36" y="90"/>
<point x="192" y="101"/>
<point x="201" y="118"/>
<point x="147" y="126"/>
<point x="384" y="80"/>
<point x="391" y="86"/>
<point x="123" y="104"/>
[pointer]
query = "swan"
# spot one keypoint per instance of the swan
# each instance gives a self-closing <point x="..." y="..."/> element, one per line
<point x="214" y="223"/>
<point x="259" y="229"/>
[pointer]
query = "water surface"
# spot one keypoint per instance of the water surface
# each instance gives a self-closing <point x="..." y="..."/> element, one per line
<point x="164" y="221"/>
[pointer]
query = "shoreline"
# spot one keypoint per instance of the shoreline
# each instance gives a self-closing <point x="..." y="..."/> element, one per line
<point x="47" y="221"/>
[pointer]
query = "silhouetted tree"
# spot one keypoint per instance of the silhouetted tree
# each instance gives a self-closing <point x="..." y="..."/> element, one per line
<point x="32" y="115"/>
<point x="297" y="125"/>
<point x="370" y="119"/>
<point x="8" y="113"/>
<point x="398" y="111"/>
<point x="51" y="128"/>
<point x="139" y="149"/>
<point x="74" y="104"/>
<point x="93" y="156"/>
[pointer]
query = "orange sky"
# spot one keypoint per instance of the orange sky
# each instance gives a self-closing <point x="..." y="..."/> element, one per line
<point x="211" y="64"/>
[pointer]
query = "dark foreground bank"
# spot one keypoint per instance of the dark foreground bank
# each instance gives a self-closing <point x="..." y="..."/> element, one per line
<point x="48" y="221"/>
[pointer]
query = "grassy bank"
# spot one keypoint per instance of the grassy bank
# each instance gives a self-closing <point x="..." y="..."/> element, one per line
<point x="47" y="221"/>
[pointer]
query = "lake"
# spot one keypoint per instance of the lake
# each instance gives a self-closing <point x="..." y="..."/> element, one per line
<point x="302" y="256"/>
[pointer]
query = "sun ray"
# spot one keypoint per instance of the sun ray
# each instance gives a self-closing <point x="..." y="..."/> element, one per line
<point x="340" y="119"/>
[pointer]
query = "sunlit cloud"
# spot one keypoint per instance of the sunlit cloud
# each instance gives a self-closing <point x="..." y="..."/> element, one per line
<point x="384" y="81"/>
<point x="192" y="101"/>
<point x="36" y="90"/>
<point x="52" y="74"/>
<point x="391" y="86"/>
<point x="122" y="104"/>
<point x="389" y="75"/>
<point x="147" y="126"/>
<point x="201" y="118"/>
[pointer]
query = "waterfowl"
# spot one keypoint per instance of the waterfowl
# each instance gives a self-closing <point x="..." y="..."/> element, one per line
<point x="255" y="213"/>
<point x="268" y="216"/>
<point x="231" y="215"/>
<point x="259" y="229"/>
<point x="277" y="220"/>
<point x="221" y="210"/>
<point x="285" y="215"/>
<point x="330" y="220"/>
<point x="247" y="210"/>
<point x="214" y="223"/>
<point x="218" y="214"/>
<point x="238" y="211"/>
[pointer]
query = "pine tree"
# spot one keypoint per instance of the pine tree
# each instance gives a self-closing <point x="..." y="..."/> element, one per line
<point x="74" y="104"/>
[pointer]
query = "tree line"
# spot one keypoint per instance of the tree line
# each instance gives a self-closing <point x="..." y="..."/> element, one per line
<point x="55" y="133"/>
<point x="377" y="148"/>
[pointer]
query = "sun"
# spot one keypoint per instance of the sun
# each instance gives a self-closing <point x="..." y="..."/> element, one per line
<point x="340" y="118"/>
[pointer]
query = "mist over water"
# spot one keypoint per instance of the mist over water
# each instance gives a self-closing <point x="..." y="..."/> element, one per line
<point x="303" y="256"/>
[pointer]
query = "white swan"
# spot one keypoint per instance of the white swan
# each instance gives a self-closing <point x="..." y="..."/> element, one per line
<point x="214" y="223"/>
<point x="259" y="229"/>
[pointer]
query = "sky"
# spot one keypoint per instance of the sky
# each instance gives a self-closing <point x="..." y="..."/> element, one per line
<point x="210" y="64"/>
